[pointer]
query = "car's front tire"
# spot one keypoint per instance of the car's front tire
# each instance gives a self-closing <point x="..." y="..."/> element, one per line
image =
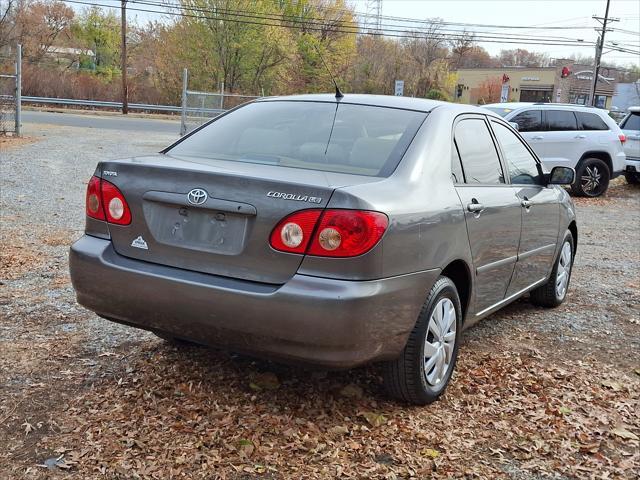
<point x="592" y="178"/>
<point x="633" y="178"/>
<point x="422" y="371"/>
<point x="553" y="293"/>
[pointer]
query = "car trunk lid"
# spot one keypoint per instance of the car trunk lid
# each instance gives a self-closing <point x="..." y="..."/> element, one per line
<point x="225" y="234"/>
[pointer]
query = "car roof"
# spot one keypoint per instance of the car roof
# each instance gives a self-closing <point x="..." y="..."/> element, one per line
<point x="406" y="103"/>
<point x="634" y="109"/>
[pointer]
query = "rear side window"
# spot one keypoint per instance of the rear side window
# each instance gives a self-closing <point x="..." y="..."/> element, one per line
<point x="529" y="121"/>
<point x="561" y="120"/>
<point x="345" y="138"/>
<point x="477" y="151"/>
<point x="591" y="121"/>
<point x="632" y="122"/>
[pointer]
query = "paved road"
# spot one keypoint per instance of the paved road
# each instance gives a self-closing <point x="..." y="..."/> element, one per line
<point x="101" y="121"/>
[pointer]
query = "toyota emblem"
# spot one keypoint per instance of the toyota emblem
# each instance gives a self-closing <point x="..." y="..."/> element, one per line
<point x="197" y="196"/>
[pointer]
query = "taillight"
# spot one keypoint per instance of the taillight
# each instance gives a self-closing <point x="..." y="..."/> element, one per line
<point x="94" y="202"/>
<point x="293" y="233"/>
<point x="329" y="233"/>
<point x="622" y="137"/>
<point x="347" y="233"/>
<point x="106" y="202"/>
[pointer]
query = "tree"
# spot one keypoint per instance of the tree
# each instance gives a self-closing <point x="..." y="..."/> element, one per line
<point x="98" y="30"/>
<point x="488" y="91"/>
<point x="522" y="58"/>
<point x="461" y="46"/>
<point x="35" y="25"/>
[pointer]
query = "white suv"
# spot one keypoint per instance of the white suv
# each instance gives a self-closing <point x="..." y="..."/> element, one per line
<point x="631" y="128"/>
<point x="584" y="138"/>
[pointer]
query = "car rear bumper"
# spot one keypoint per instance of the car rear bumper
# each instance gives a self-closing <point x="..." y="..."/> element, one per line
<point x="633" y="165"/>
<point x="334" y="323"/>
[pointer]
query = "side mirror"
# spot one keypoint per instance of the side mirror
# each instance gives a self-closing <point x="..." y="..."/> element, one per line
<point x="562" y="176"/>
<point x="515" y="125"/>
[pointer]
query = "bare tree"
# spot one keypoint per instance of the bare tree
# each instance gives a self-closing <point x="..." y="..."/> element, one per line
<point x="460" y="46"/>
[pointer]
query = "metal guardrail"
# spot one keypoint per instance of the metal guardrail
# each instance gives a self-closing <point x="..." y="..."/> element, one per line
<point x="118" y="105"/>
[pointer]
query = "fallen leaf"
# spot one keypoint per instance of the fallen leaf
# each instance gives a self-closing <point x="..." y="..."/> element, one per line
<point x="28" y="428"/>
<point x="265" y="381"/>
<point x="339" y="430"/>
<point x="351" y="391"/>
<point x="615" y="386"/>
<point x="624" y="433"/>
<point x="374" y="419"/>
<point x="430" y="452"/>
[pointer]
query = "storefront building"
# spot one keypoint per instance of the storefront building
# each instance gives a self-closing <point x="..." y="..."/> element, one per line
<point x="565" y="83"/>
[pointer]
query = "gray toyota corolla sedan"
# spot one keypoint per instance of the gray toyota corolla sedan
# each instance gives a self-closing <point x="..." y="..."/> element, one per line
<point x="330" y="231"/>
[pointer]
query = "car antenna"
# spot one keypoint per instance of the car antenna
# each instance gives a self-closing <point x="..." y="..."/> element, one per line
<point x="339" y="94"/>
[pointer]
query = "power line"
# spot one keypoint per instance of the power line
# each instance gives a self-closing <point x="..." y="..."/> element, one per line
<point x="347" y="24"/>
<point x="301" y="23"/>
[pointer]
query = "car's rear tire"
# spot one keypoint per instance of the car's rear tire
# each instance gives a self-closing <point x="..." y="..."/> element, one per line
<point x="553" y="293"/>
<point x="633" y="178"/>
<point x="592" y="178"/>
<point x="422" y="371"/>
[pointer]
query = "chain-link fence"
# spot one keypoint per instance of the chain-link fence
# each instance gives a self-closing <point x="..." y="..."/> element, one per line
<point x="10" y="92"/>
<point x="199" y="107"/>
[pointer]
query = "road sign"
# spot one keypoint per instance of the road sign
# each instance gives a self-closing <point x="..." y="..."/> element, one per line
<point x="399" y="88"/>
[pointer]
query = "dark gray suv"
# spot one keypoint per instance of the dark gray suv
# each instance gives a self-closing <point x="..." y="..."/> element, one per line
<point x="330" y="231"/>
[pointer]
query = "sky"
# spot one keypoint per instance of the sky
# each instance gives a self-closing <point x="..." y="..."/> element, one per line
<point x="575" y="13"/>
<point x="556" y="13"/>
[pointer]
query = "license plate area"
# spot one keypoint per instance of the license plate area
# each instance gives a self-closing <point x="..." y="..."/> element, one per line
<point x="197" y="228"/>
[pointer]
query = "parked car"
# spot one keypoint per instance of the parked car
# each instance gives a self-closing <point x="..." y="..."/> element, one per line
<point x="584" y="138"/>
<point x="329" y="231"/>
<point x="630" y="126"/>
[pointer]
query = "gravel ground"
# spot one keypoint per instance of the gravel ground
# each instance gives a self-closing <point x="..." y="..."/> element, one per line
<point x="538" y="393"/>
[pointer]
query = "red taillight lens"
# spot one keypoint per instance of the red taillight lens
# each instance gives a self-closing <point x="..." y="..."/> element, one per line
<point x="115" y="206"/>
<point x="622" y="137"/>
<point x="106" y="202"/>
<point x="347" y="233"/>
<point x="94" y="202"/>
<point x="293" y="233"/>
<point x="329" y="233"/>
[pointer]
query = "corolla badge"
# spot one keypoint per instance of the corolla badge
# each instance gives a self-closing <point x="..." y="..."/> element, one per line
<point x="197" y="196"/>
<point x="295" y="197"/>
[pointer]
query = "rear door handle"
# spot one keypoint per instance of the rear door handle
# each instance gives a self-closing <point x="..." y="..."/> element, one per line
<point x="475" y="207"/>
<point x="537" y="137"/>
<point x="580" y="136"/>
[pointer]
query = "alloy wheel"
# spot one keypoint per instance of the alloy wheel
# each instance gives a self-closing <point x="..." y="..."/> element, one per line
<point x="591" y="180"/>
<point x="439" y="342"/>
<point x="564" y="270"/>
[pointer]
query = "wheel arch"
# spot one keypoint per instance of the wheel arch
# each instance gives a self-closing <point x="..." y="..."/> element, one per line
<point x="460" y="274"/>
<point x="573" y="228"/>
<point x="600" y="155"/>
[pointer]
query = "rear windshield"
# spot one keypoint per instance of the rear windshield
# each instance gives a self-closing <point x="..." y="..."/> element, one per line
<point x="632" y="122"/>
<point x="502" y="111"/>
<point x="345" y="138"/>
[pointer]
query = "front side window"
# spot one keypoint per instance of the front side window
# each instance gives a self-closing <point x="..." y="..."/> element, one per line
<point x="561" y="120"/>
<point x="591" y="121"/>
<point x="477" y="151"/>
<point x="523" y="168"/>
<point x="344" y="138"/>
<point x="529" y="121"/>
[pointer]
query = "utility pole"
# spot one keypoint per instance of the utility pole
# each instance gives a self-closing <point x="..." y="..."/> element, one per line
<point x="123" y="59"/>
<point x="599" y="48"/>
